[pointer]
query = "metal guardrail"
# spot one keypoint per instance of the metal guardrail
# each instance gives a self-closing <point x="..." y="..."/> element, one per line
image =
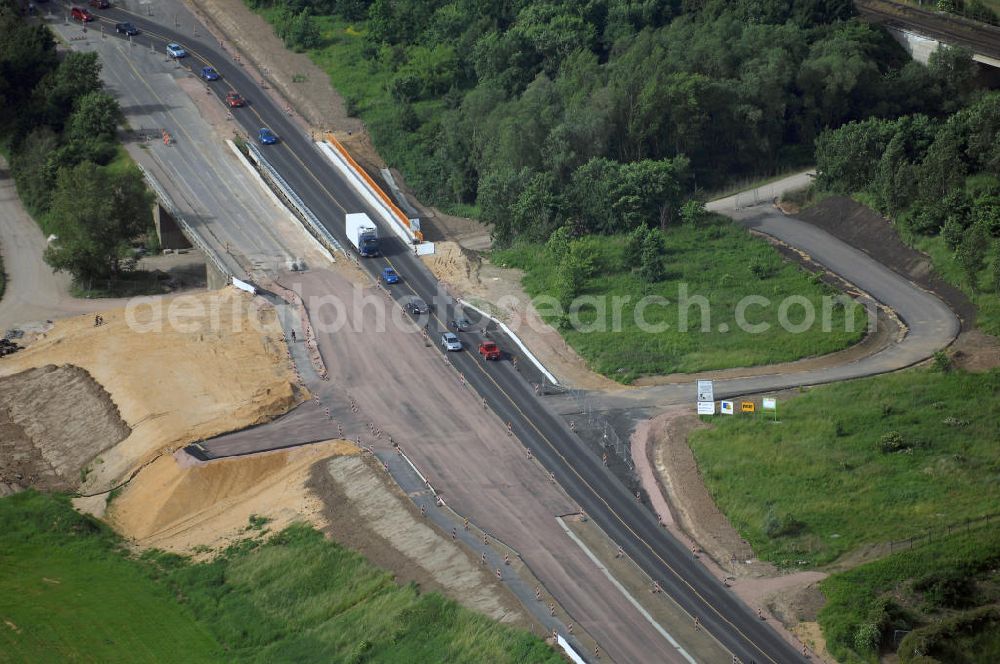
<point x="167" y="203"/>
<point x="294" y="202"/>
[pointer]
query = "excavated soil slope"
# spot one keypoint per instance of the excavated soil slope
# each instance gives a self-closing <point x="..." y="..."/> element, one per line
<point x="179" y="370"/>
<point x="185" y="506"/>
<point x="53" y="421"/>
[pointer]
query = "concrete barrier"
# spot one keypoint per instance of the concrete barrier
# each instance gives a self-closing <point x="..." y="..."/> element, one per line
<point x="255" y="174"/>
<point x="572" y="654"/>
<point x="516" y="340"/>
<point x="312" y="223"/>
<point x="375" y="197"/>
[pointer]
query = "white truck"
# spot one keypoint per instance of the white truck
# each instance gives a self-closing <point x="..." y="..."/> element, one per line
<point x="362" y="233"/>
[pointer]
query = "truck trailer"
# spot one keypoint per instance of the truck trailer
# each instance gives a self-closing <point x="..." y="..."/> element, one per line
<point x="362" y="233"/>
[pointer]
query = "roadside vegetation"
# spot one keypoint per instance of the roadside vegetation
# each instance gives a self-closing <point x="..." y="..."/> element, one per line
<point x="909" y="458"/>
<point x="943" y="598"/>
<point x="71" y="591"/>
<point x="984" y="11"/>
<point x="938" y="180"/>
<point x="708" y="259"/>
<point x="59" y="126"/>
<point x="537" y="113"/>
<point x="857" y="463"/>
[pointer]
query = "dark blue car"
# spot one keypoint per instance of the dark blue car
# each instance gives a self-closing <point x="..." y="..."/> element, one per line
<point x="389" y="276"/>
<point x="266" y="136"/>
<point x="209" y="74"/>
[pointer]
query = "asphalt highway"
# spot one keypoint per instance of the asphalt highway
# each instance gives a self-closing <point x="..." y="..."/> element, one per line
<point x="507" y="393"/>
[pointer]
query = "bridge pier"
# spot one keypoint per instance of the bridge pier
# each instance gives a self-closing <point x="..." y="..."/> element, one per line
<point x="167" y="230"/>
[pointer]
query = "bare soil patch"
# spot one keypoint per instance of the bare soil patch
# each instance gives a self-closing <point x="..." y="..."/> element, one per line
<point x="53" y="421"/>
<point x="179" y="504"/>
<point x="220" y="366"/>
<point x="365" y="511"/>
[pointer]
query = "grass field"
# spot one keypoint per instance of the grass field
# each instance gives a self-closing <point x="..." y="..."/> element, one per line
<point x="922" y="590"/>
<point x="75" y="596"/>
<point x="69" y="594"/>
<point x="818" y="484"/>
<point x="717" y="261"/>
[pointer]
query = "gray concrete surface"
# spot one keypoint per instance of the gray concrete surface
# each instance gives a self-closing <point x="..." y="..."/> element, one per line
<point x="217" y="195"/>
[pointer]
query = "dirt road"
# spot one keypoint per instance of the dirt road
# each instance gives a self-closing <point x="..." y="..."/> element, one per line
<point x="34" y="292"/>
<point x="483" y="473"/>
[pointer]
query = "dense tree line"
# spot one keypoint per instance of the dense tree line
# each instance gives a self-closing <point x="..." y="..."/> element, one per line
<point x="934" y="177"/>
<point x="59" y="126"/>
<point x="579" y="112"/>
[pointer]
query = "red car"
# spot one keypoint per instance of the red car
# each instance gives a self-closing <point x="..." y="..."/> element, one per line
<point x="81" y="14"/>
<point x="234" y="100"/>
<point x="489" y="350"/>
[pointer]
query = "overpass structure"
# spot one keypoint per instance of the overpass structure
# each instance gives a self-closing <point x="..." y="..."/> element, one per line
<point x="921" y="31"/>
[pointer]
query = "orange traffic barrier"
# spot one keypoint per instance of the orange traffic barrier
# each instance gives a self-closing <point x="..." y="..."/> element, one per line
<point x="332" y="140"/>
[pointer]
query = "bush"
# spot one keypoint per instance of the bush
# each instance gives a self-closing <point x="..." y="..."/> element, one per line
<point x="951" y="589"/>
<point x="787" y="526"/>
<point x="891" y="442"/>
<point x="761" y="269"/>
<point x="867" y="638"/>
<point x="932" y="644"/>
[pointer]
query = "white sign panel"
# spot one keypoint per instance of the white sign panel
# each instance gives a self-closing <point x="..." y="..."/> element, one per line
<point x="706" y="391"/>
<point x="706" y="408"/>
<point x="769" y="403"/>
<point x="727" y="408"/>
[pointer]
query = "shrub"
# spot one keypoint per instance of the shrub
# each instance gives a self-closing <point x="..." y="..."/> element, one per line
<point x="951" y="589"/>
<point x="867" y="638"/>
<point x="891" y="442"/>
<point x="761" y="269"/>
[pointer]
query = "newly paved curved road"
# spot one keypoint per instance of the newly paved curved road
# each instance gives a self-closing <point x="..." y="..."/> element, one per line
<point x="581" y="474"/>
<point x="930" y="324"/>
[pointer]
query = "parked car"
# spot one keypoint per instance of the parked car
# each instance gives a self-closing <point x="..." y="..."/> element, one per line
<point x="100" y="4"/>
<point x="489" y="350"/>
<point x="175" y="50"/>
<point x="234" y="100"/>
<point x="389" y="276"/>
<point x="209" y="74"/>
<point x="81" y="14"/>
<point x="266" y="136"/>
<point x="126" y="29"/>
<point x="450" y="341"/>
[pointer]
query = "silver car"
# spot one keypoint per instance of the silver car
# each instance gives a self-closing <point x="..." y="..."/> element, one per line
<point x="450" y="341"/>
